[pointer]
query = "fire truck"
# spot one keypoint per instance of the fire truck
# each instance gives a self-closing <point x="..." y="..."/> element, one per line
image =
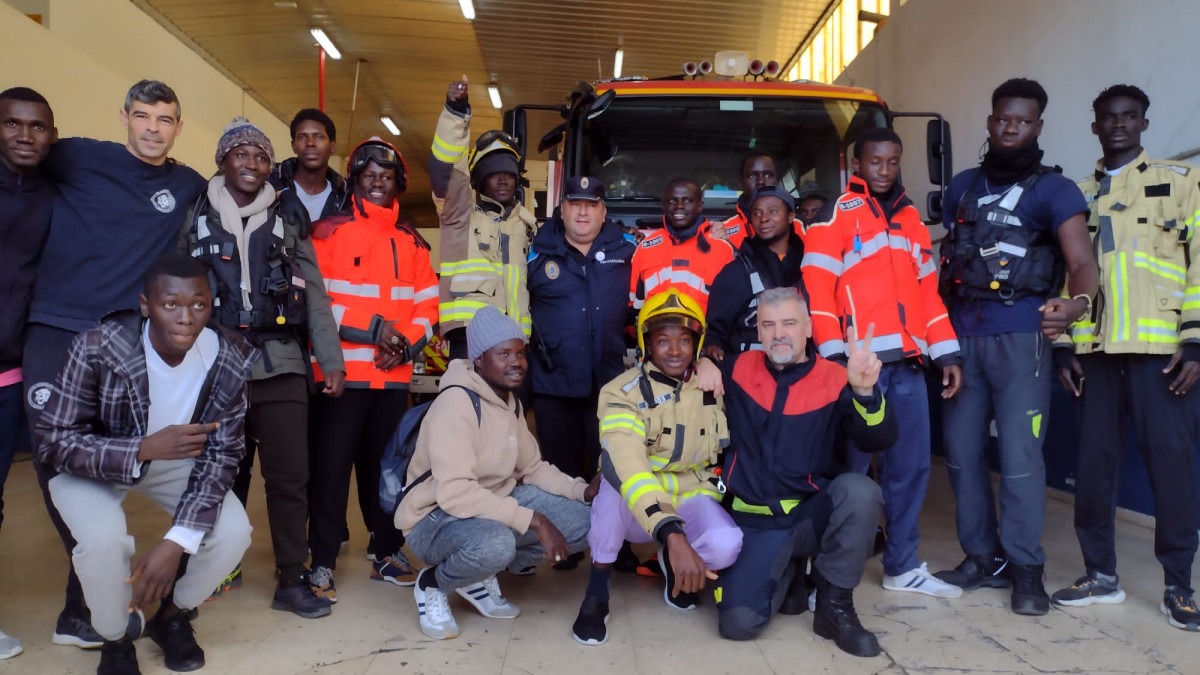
<point x="635" y="134"/>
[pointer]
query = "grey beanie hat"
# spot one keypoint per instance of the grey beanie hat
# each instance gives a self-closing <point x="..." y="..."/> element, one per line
<point x="488" y="328"/>
<point x="241" y="132"/>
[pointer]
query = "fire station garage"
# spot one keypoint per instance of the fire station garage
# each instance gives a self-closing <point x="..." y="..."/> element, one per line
<point x="632" y="95"/>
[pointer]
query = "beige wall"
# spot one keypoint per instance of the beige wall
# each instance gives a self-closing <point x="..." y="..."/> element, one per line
<point x="95" y="49"/>
<point x="948" y="56"/>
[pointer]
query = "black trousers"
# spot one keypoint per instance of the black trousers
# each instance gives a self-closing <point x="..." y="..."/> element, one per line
<point x="569" y="433"/>
<point x="343" y="432"/>
<point x="45" y="354"/>
<point x="1167" y="428"/>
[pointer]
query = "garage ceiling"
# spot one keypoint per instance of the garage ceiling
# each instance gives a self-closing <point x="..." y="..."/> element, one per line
<point x="407" y="52"/>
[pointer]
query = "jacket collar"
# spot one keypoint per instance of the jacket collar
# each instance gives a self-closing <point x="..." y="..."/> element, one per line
<point x="891" y="203"/>
<point x="11" y="181"/>
<point x="287" y="174"/>
<point x="551" y="237"/>
<point x="1141" y="163"/>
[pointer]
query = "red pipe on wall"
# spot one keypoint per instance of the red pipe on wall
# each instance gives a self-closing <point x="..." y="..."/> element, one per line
<point x="321" y="81"/>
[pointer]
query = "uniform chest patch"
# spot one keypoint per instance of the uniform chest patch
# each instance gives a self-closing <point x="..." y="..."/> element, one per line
<point x="852" y="204"/>
<point x="552" y="270"/>
<point x="164" y="201"/>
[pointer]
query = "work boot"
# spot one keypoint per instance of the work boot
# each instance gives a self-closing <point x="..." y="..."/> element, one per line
<point x="1028" y="593"/>
<point x="976" y="571"/>
<point x="835" y="619"/>
<point x="796" y="600"/>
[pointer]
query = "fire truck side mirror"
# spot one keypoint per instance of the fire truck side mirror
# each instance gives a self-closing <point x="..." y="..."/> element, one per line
<point x="938" y="151"/>
<point x="933" y="206"/>
<point x="552" y="138"/>
<point x="601" y="104"/>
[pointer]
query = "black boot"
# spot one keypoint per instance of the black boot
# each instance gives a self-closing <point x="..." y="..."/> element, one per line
<point x="1028" y="592"/>
<point x="176" y="637"/>
<point x="118" y="658"/>
<point x="835" y="619"/>
<point x="796" y="600"/>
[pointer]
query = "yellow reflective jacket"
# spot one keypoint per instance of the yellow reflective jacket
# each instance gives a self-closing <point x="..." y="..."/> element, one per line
<point x="1143" y="223"/>
<point x="484" y="247"/>
<point x="660" y="451"/>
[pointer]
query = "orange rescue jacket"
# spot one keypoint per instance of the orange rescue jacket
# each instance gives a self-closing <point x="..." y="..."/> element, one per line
<point x="661" y="262"/>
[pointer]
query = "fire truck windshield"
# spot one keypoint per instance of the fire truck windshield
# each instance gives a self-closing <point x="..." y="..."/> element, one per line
<point x="640" y="143"/>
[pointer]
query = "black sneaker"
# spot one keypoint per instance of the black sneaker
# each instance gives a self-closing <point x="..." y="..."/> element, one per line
<point x="176" y="637"/>
<point x="76" y="631"/>
<point x="796" y="600"/>
<point x="1180" y="608"/>
<point x="591" y="626"/>
<point x="683" y="601"/>
<point x="118" y="658"/>
<point x="627" y="561"/>
<point x="1028" y="594"/>
<point x="976" y="571"/>
<point x="570" y="563"/>
<point x="1090" y="589"/>
<point x="298" y="598"/>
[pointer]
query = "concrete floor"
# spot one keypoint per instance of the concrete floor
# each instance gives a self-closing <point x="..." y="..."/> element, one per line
<point x="374" y="630"/>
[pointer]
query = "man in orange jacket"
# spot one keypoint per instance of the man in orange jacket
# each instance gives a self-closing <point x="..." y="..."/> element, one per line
<point x="872" y="263"/>
<point x="385" y="299"/>
<point x="680" y="255"/>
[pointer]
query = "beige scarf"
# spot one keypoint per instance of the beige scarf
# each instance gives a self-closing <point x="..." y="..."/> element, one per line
<point x="241" y="222"/>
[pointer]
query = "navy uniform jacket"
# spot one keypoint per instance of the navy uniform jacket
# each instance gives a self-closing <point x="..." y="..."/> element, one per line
<point x="580" y="307"/>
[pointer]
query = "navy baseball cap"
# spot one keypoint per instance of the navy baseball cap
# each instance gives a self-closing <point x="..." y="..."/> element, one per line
<point x="584" y="187"/>
<point x="777" y="192"/>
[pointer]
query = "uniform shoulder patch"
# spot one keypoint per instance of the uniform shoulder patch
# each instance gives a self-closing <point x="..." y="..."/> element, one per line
<point x="851" y="204"/>
<point x="652" y="241"/>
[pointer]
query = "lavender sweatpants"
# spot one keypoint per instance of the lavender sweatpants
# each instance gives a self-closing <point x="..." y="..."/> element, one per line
<point x="708" y="528"/>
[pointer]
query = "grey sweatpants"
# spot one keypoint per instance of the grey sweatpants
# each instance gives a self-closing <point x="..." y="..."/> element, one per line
<point x="469" y="550"/>
<point x="103" y="547"/>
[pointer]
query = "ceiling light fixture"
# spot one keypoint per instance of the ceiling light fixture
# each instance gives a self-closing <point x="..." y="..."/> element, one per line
<point x="326" y="44"/>
<point x="391" y="126"/>
<point x="618" y="62"/>
<point x="468" y="9"/>
<point x="494" y="92"/>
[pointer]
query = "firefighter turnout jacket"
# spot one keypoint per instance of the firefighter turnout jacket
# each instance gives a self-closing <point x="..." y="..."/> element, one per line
<point x="660" y="439"/>
<point x="377" y="272"/>
<point x="484" y="245"/>
<point x="690" y="265"/>
<point x="1143" y="224"/>
<point x="873" y="263"/>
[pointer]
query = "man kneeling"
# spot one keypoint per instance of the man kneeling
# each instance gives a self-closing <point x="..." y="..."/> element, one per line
<point x="480" y="497"/>
<point x="151" y="403"/>
<point x="660" y="437"/>
<point x="788" y="409"/>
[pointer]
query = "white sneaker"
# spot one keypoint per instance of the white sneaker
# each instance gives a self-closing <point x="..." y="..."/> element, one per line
<point x="919" y="580"/>
<point x="9" y="646"/>
<point x="486" y="597"/>
<point x="434" y="609"/>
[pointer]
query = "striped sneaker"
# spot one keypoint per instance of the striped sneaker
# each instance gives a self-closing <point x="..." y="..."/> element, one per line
<point x="919" y="580"/>
<point x="485" y="596"/>
<point x="234" y="580"/>
<point x="394" y="569"/>
<point x="321" y="581"/>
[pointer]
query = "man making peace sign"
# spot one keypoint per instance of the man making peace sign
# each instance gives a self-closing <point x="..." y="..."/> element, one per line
<point x="787" y="408"/>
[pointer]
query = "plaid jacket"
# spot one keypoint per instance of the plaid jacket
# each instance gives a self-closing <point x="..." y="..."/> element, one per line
<point x="96" y="417"/>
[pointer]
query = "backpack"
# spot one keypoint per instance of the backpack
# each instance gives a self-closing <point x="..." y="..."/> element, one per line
<point x="400" y="449"/>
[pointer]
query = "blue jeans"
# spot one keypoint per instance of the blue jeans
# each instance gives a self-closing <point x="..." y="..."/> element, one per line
<point x="904" y="467"/>
<point x="467" y="551"/>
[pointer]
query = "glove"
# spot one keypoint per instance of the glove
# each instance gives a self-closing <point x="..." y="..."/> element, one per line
<point x="295" y="212"/>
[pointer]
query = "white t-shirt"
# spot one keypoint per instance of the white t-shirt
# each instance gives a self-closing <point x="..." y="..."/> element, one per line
<point x="314" y="203"/>
<point x="174" y="394"/>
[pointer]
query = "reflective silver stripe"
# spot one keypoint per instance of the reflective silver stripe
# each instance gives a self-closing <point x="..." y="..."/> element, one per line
<point x="832" y="348"/>
<point x="1011" y="198"/>
<point x="756" y="284"/>
<point x="936" y="319"/>
<point x="883" y="343"/>
<point x="900" y="243"/>
<point x="921" y="344"/>
<point x="347" y="288"/>
<point x="338" y="312"/>
<point x="939" y="349"/>
<point x="426" y="324"/>
<point x="825" y="262"/>
<point x="359" y="354"/>
<point x="299" y="282"/>
<point x="928" y="268"/>
<point x="1010" y="249"/>
<point x="425" y="294"/>
<point x="402" y="293"/>
<point x="756" y="347"/>
<point x="277" y="230"/>
<point x="690" y="278"/>
<point x="202" y="230"/>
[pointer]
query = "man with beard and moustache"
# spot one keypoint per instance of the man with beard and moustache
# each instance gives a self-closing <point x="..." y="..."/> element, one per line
<point x="578" y="277"/>
<point x="118" y="208"/>
<point x="1139" y="351"/>
<point x="385" y="295"/>
<point x="485" y="230"/>
<point x="789" y="411"/>
<point x="757" y="171"/>
<point x="769" y="259"/>
<point x="267" y="287"/>
<point x="1013" y="225"/>
<point x="321" y="189"/>
<point x="873" y="263"/>
<point x="27" y="133"/>
<point x="680" y="255"/>
<point x="480" y="498"/>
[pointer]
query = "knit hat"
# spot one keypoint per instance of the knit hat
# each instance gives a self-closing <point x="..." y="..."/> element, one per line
<point x="241" y="132"/>
<point x="488" y="328"/>
<point x="496" y="162"/>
